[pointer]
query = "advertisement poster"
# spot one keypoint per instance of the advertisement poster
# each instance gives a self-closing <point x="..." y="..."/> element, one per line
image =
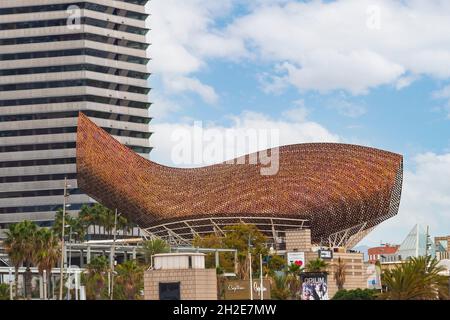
<point x="314" y="286"/>
<point x="297" y="258"/>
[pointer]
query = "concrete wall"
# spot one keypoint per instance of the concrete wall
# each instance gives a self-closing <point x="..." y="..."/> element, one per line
<point x="298" y="240"/>
<point x="195" y="284"/>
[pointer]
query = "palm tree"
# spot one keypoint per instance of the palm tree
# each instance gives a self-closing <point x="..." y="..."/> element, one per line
<point x="293" y="282"/>
<point x="101" y="217"/>
<point x="47" y="252"/>
<point x="280" y="289"/>
<point x="87" y="217"/>
<point x="95" y="278"/>
<point x="339" y="273"/>
<point x="19" y="245"/>
<point x="13" y="243"/>
<point x="77" y="225"/>
<point x="129" y="281"/>
<point x="152" y="247"/>
<point x="416" y="279"/>
<point x="316" y="265"/>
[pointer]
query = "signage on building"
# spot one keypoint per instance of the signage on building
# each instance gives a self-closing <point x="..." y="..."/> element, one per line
<point x="314" y="286"/>
<point x="297" y="258"/>
<point x="239" y="289"/>
<point x="326" y="254"/>
<point x="373" y="277"/>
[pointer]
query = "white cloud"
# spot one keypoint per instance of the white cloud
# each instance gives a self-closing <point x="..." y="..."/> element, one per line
<point x="405" y="81"/>
<point x="183" y="84"/>
<point x="312" y="45"/>
<point x="347" y="108"/>
<point x="327" y="46"/>
<point x="183" y="36"/>
<point x="443" y="94"/>
<point x="425" y="200"/>
<point x="298" y="114"/>
<point x="164" y="106"/>
<point x="293" y="127"/>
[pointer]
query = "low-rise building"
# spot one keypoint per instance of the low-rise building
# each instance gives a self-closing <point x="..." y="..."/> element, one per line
<point x="180" y="276"/>
<point x="356" y="275"/>
<point x="383" y="253"/>
<point x="442" y="247"/>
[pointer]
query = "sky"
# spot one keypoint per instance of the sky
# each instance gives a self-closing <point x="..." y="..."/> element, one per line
<point x="373" y="73"/>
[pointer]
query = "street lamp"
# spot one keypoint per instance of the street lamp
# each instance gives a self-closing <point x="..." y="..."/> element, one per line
<point x="250" y="267"/>
<point x="70" y="243"/>
<point x="113" y="254"/>
<point x="69" y="264"/>
<point x="66" y="195"/>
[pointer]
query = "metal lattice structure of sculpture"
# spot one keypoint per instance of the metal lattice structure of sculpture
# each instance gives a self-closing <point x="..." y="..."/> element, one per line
<point x="338" y="191"/>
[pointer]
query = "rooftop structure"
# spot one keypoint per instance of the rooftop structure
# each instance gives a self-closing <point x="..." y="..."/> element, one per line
<point x="381" y="253"/>
<point x="416" y="244"/>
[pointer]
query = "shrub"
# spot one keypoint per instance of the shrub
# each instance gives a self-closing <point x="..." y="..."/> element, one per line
<point x="358" y="294"/>
<point x="4" y="291"/>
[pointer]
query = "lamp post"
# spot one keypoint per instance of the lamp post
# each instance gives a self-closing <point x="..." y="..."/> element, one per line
<point x="261" y="292"/>
<point x="66" y="195"/>
<point x="427" y="242"/>
<point x="113" y="253"/>
<point x="11" y="296"/>
<point x="250" y="268"/>
<point x="70" y="253"/>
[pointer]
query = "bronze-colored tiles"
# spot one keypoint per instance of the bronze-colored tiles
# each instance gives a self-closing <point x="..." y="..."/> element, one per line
<point x="334" y="186"/>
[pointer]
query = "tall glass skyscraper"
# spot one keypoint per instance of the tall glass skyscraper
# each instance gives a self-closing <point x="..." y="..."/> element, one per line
<point x="59" y="57"/>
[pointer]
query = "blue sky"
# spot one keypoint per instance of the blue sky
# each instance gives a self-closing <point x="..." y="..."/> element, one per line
<point x="374" y="73"/>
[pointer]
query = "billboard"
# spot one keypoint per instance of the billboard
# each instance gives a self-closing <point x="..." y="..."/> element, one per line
<point x="297" y="258"/>
<point x="326" y="254"/>
<point x="373" y="277"/>
<point x="239" y="289"/>
<point x="314" y="286"/>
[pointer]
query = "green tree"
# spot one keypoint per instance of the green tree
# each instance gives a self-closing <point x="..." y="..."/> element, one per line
<point x="213" y="241"/>
<point x="76" y="225"/>
<point x="151" y="247"/>
<point x="416" y="279"/>
<point x="95" y="278"/>
<point x="358" y="294"/>
<point x="129" y="281"/>
<point x="99" y="216"/>
<point x="19" y="245"/>
<point x="275" y="263"/>
<point x="238" y="237"/>
<point x="4" y="291"/>
<point x="280" y="290"/>
<point x="316" y="265"/>
<point x="47" y="252"/>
